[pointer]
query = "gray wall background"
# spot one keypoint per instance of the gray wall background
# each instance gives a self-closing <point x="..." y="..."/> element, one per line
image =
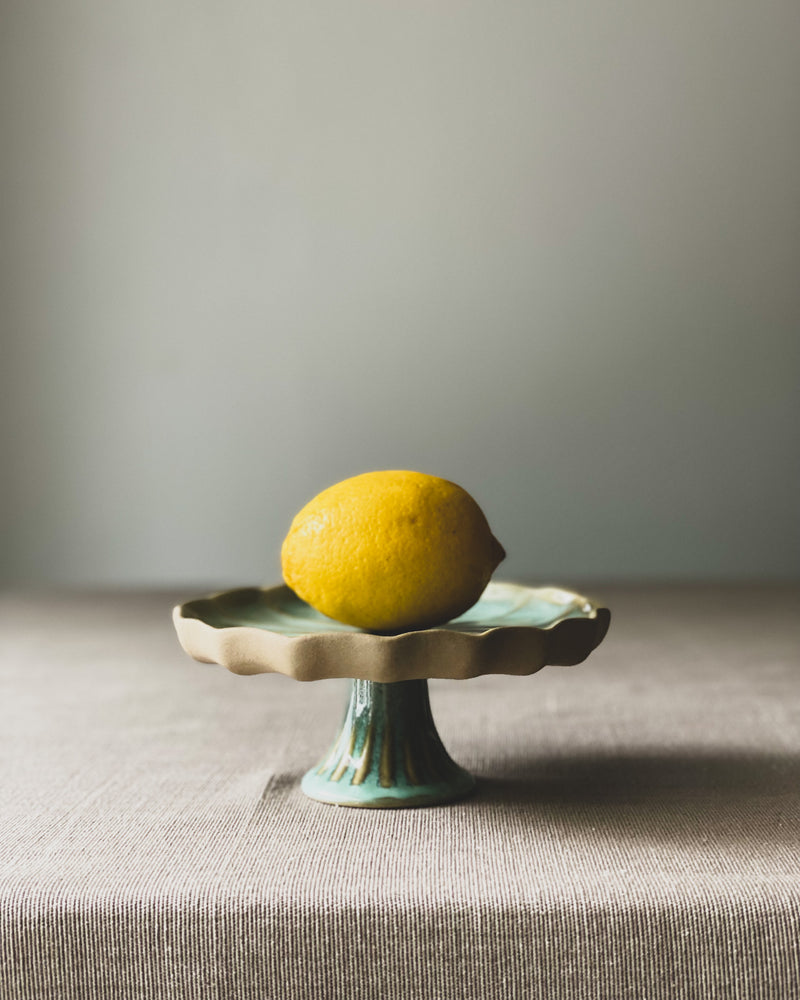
<point x="548" y="250"/>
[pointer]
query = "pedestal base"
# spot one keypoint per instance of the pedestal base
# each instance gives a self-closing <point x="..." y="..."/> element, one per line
<point x="388" y="753"/>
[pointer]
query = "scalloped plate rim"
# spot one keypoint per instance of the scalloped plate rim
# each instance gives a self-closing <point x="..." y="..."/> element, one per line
<point x="218" y="643"/>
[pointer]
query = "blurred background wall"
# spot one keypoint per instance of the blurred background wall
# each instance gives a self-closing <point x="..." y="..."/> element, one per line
<point x="548" y="250"/>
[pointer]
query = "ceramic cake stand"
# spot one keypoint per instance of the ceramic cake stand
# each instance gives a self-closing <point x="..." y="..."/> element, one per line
<point x="387" y="752"/>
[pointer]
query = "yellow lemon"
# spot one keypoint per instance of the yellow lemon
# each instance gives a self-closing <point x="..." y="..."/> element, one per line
<point x="387" y="551"/>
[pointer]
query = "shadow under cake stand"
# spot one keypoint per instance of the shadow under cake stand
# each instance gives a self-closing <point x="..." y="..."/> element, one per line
<point x="387" y="752"/>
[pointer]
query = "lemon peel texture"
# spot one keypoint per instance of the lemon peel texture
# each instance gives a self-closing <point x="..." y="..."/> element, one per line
<point x="391" y="551"/>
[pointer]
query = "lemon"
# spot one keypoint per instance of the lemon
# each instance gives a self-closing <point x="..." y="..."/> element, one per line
<point x="392" y="550"/>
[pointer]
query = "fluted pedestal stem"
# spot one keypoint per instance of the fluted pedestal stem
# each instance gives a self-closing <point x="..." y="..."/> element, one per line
<point x="388" y="752"/>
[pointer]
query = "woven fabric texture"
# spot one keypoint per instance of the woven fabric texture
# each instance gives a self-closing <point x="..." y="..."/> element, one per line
<point x="634" y="833"/>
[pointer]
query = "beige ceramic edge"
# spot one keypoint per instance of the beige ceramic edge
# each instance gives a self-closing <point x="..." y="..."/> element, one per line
<point x="430" y="653"/>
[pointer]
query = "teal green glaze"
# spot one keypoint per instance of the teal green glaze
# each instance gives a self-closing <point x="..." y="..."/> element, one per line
<point x="279" y="609"/>
<point x="388" y="753"/>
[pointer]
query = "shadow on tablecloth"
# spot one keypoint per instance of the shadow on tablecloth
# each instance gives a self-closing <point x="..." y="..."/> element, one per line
<point x="733" y="796"/>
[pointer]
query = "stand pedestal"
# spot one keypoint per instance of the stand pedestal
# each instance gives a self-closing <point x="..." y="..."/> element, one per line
<point x="388" y="753"/>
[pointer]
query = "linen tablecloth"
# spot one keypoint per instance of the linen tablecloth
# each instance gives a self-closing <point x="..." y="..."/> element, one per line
<point x="635" y="833"/>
